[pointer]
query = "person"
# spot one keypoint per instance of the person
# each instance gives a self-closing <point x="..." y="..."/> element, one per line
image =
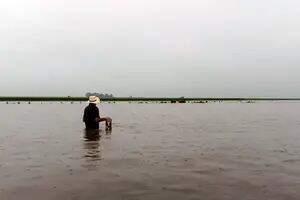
<point x="91" y="116"/>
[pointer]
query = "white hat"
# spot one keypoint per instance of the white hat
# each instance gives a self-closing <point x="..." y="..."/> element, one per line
<point x="94" y="100"/>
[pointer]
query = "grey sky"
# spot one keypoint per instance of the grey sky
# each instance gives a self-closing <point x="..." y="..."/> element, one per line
<point x="150" y="47"/>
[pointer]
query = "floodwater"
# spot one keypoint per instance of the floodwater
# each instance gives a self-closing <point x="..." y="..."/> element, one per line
<point x="214" y="151"/>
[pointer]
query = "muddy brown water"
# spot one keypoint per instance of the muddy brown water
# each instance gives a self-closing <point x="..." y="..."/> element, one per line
<point x="214" y="151"/>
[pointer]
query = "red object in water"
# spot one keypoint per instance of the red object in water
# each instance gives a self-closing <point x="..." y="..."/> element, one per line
<point x="107" y="120"/>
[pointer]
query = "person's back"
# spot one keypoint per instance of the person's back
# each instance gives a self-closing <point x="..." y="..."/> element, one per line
<point x="90" y="116"/>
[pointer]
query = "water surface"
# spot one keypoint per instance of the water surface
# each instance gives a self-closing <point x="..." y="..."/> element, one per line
<point x="155" y="151"/>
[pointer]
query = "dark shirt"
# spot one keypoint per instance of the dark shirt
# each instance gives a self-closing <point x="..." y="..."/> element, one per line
<point x="91" y="112"/>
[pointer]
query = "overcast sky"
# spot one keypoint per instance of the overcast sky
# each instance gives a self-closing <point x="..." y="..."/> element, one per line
<point x="218" y="48"/>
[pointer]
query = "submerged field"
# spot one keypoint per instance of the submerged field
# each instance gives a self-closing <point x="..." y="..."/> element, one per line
<point x="213" y="151"/>
<point x="134" y="99"/>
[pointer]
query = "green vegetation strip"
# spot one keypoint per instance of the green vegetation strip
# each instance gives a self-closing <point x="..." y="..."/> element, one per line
<point x="160" y="99"/>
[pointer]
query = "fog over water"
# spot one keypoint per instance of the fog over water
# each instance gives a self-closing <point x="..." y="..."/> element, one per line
<point x="150" y="48"/>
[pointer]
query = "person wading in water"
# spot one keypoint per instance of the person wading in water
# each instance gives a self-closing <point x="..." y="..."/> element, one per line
<point x="91" y="116"/>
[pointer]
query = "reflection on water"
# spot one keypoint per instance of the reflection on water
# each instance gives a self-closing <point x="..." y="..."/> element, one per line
<point x="92" y="147"/>
<point x="92" y="134"/>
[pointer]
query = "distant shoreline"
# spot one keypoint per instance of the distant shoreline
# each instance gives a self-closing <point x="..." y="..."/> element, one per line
<point x="145" y="99"/>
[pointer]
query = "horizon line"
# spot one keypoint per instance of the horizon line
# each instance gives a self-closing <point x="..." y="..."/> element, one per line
<point x="83" y="98"/>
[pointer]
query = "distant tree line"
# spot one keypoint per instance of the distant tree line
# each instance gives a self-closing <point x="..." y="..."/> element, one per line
<point x="100" y="95"/>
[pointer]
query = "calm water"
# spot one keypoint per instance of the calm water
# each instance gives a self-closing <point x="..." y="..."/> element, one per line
<point x="155" y="151"/>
